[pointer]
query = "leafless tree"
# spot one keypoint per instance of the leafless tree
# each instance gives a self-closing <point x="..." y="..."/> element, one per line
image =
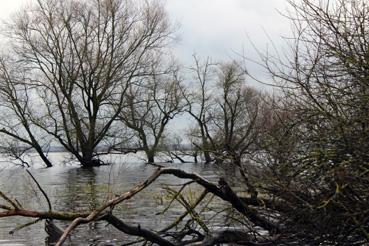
<point x="226" y="115"/>
<point x="81" y="57"/>
<point x="229" y="116"/>
<point x="199" y="100"/>
<point x="233" y="130"/>
<point x="181" y="148"/>
<point x="16" y="108"/>
<point x="152" y="103"/>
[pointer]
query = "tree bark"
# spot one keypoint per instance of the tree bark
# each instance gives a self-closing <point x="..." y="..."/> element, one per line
<point x="136" y="231"/>
<point x="150" y="156"/>
<point x="43" y="157"/>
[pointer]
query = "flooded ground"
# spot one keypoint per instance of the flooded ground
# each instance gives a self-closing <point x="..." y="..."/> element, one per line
<point x="74" y="189"/>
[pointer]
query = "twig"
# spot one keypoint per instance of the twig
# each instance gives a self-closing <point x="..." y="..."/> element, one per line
<point x="40" y="188"/>
<point x="5" y="207"/>
<point x="180" y="218"/>
<point x="191" y="210"/>
<point x="13" y="203"/>
<point x="174" y="197"/>
<point x="25" y="225"/>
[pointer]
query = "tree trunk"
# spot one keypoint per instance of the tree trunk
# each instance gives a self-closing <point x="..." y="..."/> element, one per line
<point x="88" y="161"/>
<point x="43" y="157"/>
<point x="150" y="159"/>
<point x="207" y="157"/>
<point x="150" y="156"/>
<point x="45" y="160"/>
<point x="205" y="146"/>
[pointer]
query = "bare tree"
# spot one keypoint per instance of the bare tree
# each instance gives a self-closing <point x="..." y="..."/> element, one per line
<point x="16" y="107"/>
<point x="199" y="100"/>
<point x="152" y="103"/>
<point x="233" y="121"/>
<point x="81" y="57"/>
<point x="226" y="116"/>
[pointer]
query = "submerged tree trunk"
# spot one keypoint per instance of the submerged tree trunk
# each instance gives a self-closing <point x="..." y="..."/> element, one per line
<point x="207" y="157"/>
<point x="43" y="157"/>
<point x="205" y="143"/>
<point x="88" y="160"/>
<point x="38" y="148"/>
<point x="150" y="156"/>
<point x="89" y="163"/>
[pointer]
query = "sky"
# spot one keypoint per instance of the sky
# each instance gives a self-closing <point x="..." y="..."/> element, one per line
<point x="220" y="29"/>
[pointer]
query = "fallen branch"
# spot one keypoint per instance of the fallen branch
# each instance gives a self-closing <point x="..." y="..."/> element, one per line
<point x="136" y="231"/>
<point x="224" y="192"/>
<point x="66" y="216"/>
<point x="24" y="226"/>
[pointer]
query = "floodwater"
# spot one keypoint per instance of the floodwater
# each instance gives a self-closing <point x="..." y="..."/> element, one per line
<point x="74" y="189"/>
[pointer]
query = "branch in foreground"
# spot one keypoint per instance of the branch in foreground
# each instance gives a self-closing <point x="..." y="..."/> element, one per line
<point x="136" y="230"/>
<point x="225" y="192"/>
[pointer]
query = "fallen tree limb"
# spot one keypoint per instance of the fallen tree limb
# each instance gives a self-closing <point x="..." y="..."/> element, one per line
<point x="42" y="214"/>
<point x="119" y="224"/>
<point x="224" y="192"/>
<point x="228" y="236"/>
<point x="136" y="231"/>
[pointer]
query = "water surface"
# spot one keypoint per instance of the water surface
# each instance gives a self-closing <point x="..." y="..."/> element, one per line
<point x="74" y="189"/>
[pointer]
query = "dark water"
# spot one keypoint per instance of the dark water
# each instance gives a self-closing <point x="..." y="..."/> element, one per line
<point x="74" y="189"/>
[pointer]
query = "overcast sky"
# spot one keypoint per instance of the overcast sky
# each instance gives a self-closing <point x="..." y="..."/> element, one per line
<point x="219" y="28"/>
<point x="216" y="28"/>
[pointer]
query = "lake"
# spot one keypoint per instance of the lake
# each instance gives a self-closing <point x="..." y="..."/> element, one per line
<point x="71" y="188"/>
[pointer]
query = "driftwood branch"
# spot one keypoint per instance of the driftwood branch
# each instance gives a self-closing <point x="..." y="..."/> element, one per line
<point x="66" y="216"/>
<point x="24" y="225"/>
<point x="137" y="231"/>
